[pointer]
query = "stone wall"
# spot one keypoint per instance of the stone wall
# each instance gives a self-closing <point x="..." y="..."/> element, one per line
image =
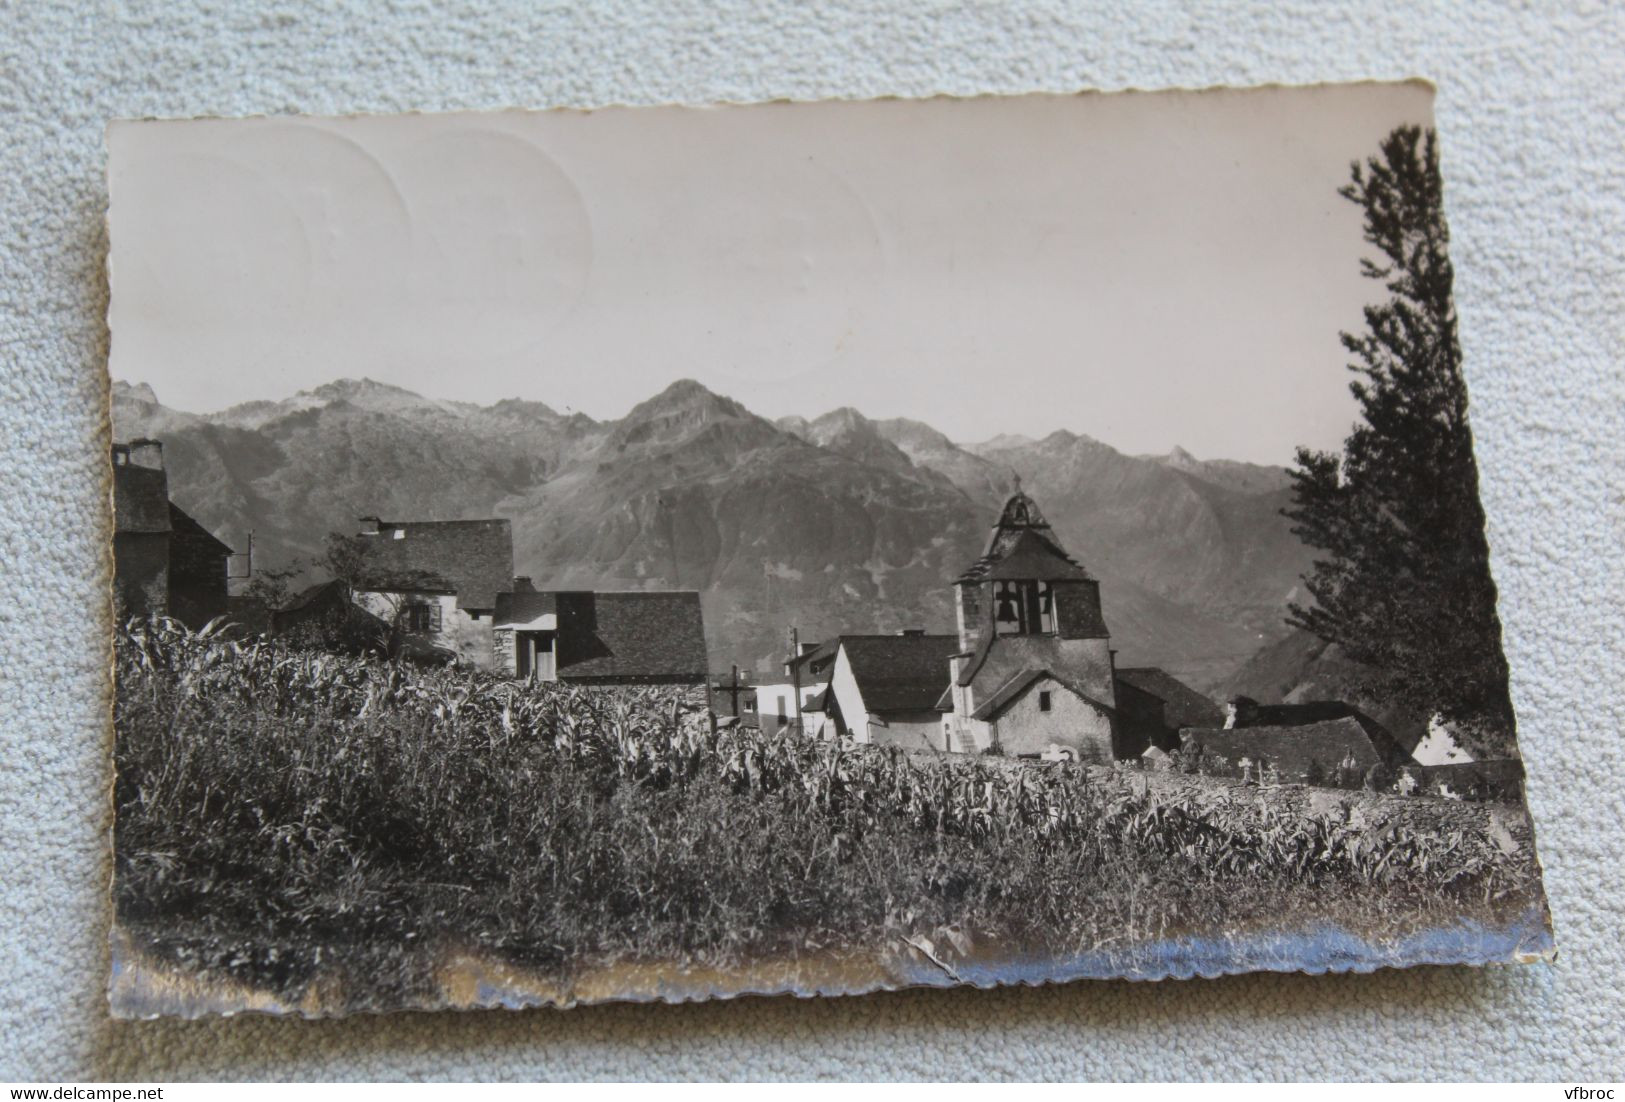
<point x="914" y="731"/>
<point x="141" y="573"/>
<point x="1071" y="723"/>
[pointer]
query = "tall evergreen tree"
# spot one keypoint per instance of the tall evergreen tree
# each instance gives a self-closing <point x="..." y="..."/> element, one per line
<point x="1404" y="587"/>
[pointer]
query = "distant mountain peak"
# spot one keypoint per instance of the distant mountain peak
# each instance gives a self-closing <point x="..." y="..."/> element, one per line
<point x="687" y="391"/>
<point x="1179" y="457"/>
<point x="795" y="425"/>
<point x="682" y="410"/>
<point x="1003" y="440"/>
<point x="844" y="421"/>
<point x="686" y="395"/>
<point x="352" y="388"/>
<point x="525" y="408"/>
<point x="844" y="415"/>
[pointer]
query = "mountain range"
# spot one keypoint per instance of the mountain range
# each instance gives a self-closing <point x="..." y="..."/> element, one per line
<point x="839" y="523"/>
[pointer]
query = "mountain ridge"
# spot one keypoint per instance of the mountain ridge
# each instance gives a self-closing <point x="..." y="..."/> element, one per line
<point x="834" y="523"/>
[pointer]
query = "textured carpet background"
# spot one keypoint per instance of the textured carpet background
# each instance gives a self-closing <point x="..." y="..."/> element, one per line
<point x="1530" y="109"/>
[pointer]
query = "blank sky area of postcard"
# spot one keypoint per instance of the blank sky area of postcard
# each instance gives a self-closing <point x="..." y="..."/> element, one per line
<point x="1148" y="269"/>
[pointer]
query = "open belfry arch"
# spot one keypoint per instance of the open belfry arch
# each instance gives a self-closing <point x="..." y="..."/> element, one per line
<point x="1033" y="673"/>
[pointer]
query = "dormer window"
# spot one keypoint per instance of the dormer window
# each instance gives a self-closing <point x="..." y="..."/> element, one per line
<point x="1023" y="608"/>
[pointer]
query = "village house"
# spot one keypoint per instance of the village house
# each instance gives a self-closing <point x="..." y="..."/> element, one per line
<point x="1177" y="706"/>
<point x="436" y="582"/>
<point x="883" y="689"/>
<point x="164" y="562"/>
<point x="590" y="638"/>
<point x="806" y="675"/>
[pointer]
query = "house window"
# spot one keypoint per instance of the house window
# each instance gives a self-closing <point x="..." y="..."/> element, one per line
<point x="1043" y="701"/>
<point x="421" y="618"/>
<point x="1023" y="608"/>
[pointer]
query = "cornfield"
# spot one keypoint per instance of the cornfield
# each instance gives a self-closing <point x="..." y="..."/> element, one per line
<point x="281" y="812"/>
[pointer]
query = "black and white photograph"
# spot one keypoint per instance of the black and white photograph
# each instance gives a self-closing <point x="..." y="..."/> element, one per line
<point x="814" y="548"/>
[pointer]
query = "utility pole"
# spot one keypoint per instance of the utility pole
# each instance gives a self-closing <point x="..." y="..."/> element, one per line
<point x="795" y="676"/>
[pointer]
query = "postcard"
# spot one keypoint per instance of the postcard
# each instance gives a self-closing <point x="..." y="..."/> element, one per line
<point x="681" y="552"/>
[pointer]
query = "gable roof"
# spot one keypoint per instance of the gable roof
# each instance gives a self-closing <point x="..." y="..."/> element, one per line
<point x="189" y="530"/>
<point x="1183" y="706"/>
<point x="1292" y="749"/>
<point x="471" y="558"/>
<point x="899" y="673"/>
<point x="140" y="499"/>
<point x="1019" y="682"/>
<point x="815" y="659"/>
<point x="613" y="636"/>
<point x="312" y="594"/>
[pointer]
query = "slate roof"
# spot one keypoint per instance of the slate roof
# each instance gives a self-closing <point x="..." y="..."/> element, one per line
<point x="185" y="528"/>
<point x="1023" y="545"/>
<point x="523" y="607"/>
<point x="1019" y="682"/>
<point x="1292" y="749"/>
<point x="140" y="499"/>
<point x="900" y="673"/>
<point x="630" y="636"/>
<point x="815" y="660"/>
<point x="1250" y="713"/>
<point x="471" y="558"/>
<point x="311" y="594"/>
<point x="1183" y="706"/>
<point x="1317" y="711"/>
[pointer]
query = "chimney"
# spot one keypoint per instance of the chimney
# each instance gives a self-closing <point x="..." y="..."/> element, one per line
<point x="147" y="453"/>
<point x="369" y="526"/>
<point x="521" y="584"/>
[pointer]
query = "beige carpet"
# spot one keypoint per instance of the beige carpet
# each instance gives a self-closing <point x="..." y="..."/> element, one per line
<point x="1530" y="108"/>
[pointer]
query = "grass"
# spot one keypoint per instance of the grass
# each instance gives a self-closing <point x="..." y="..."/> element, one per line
<point x="284" y="817"/>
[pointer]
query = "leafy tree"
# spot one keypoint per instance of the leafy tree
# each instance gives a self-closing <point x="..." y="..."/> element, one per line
<point x="272" y="588"/>
<point x="1404" y="587"/>
<point x="344" y="557"/>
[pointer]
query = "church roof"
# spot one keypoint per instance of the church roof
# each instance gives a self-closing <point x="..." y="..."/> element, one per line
<point x="1019" y="682"/>
<point x="1023" y="545"/>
